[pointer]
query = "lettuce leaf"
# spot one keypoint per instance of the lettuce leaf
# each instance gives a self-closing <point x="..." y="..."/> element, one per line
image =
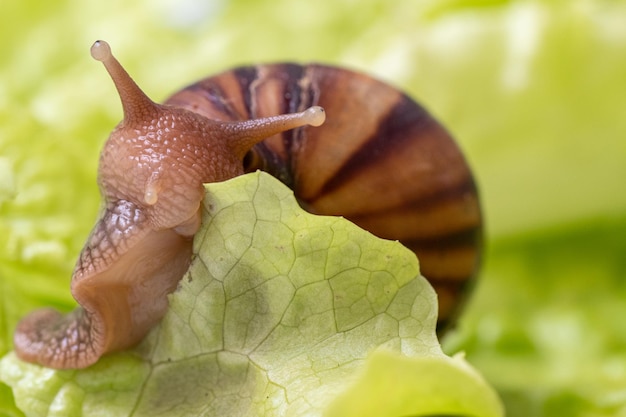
<point x="280" y="312"/>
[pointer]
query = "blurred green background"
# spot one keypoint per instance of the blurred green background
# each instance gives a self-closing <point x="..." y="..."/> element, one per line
<point x="534" y="91"/>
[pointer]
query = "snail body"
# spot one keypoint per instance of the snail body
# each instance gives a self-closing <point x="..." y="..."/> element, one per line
<point x="378" y="159"/>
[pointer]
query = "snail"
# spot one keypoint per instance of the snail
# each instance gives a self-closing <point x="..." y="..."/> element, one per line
<point x="377" y="158"/>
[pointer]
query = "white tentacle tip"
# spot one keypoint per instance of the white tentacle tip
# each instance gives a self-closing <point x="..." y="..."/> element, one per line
<point x="151" y="193"/>
<point x="315" y="115"/>
<point x="150" y="197"/>
<point x="100" y="51"/>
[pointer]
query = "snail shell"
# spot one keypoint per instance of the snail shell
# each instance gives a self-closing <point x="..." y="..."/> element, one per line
<point x="380" y="160"/>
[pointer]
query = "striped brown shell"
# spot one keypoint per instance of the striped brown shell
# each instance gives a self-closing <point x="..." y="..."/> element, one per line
<point x="380" y="160"/>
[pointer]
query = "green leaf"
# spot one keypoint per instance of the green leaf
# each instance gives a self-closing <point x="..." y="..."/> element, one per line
<point x="278" y="314"/>
<point x="395" y="385"/>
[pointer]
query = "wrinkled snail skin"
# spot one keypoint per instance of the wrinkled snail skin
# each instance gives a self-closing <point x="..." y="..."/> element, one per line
<point x="379" y="160"/>
<point x="151" y="175"/>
